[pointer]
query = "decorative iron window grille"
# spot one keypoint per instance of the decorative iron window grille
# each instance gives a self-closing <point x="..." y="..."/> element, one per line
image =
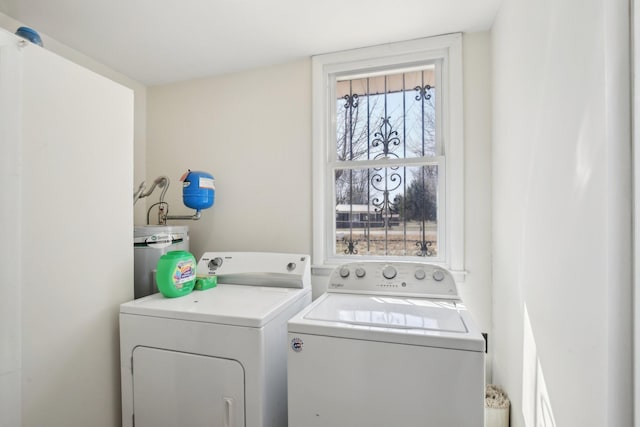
<point x="389" y="165"/>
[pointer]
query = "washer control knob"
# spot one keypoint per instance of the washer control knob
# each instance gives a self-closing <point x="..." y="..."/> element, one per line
<point x="291" y="266"/>
<point x="438" y="275"/>
<point x="344" y="272"/>
<point x="215" y="263"/>
<point x="389" y="272"/>
<point x="420" y="274"/>
<point x="360" y="272"/>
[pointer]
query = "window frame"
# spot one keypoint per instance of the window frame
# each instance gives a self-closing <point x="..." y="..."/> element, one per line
<point x="325" y="70"/>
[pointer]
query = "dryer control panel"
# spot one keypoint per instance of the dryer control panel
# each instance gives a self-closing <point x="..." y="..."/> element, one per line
<point x="394" y="278"/>
<point x="257" y="268"/>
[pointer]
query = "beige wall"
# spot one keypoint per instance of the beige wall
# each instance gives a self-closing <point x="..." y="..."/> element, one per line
<point x="477" y="289"/>
<point x="252" y="131"/>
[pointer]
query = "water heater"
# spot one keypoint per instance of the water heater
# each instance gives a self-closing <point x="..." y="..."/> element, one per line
<point x="152" y="241"/>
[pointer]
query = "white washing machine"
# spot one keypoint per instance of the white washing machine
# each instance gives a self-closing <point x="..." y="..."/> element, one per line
<point x="388" y="344"/>
<point x="215" y="357"/>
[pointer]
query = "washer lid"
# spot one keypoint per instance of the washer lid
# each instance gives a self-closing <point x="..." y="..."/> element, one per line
<point x="390" y="312"/>
<point x="251" y="306"/>
<point x="394" y="319"/>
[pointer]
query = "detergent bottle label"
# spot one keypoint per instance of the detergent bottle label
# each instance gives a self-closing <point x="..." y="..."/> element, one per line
<point x="176" y="273"/>
<point x="184" y="272"/>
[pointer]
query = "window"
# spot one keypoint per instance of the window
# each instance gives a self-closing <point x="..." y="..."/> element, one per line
<point x="388" y="153"/>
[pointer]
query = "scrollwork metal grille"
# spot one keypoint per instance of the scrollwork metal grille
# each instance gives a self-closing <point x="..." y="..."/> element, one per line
<point x="381" y="209"/>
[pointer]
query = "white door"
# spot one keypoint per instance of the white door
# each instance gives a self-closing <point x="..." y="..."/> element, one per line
<point x="172" y="388"/>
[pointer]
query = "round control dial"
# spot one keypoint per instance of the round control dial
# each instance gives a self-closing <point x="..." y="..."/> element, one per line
<point x="438" y="275"/>
<point x="360" y="272"/>
<point x="344" y="272"/>
<point x="215" y="263"/>
<point x="389" y="272"/>
<point x="420" y="274"/>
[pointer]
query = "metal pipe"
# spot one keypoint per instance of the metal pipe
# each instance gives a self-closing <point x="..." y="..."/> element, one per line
<point x="138" y="192"/>
<point x="194" y="217"/>
<point x="161" y="181"/>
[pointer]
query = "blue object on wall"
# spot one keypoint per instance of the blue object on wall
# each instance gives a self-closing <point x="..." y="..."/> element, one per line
<point x="198" y="190"/>
<point x="29" y="34"/>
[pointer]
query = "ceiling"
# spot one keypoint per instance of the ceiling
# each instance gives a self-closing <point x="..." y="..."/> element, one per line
<point x="162" y="41"/>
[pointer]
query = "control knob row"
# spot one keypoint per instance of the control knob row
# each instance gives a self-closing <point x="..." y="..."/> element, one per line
<point x="389" y="272"/>
<point x="360" y="272"/>
<point x="437" y="275"/>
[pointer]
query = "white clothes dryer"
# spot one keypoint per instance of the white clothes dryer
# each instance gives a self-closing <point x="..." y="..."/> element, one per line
<point x="215" y="357"/>
<point x="389" y="344"/>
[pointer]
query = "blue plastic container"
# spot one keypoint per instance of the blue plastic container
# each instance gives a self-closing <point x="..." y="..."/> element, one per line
<point x="29" y="34"/>
<point x="198" y="190"/>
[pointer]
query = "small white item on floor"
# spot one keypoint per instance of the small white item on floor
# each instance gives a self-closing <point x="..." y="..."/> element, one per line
<point x="496" y="407"/>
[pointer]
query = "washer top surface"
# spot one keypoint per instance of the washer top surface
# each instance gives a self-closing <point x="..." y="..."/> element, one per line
<point x="396" y="302"/>
<point x="239" y="305"/>
<point x="389" y="312"/>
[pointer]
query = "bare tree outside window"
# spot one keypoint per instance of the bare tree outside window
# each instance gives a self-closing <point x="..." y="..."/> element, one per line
<point x="387" y="210"/>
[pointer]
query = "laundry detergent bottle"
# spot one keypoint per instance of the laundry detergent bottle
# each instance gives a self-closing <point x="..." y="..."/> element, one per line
<point x="176" y="273"/>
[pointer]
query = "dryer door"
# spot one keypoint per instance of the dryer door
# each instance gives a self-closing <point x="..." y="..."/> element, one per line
<point x="172" y="388"/>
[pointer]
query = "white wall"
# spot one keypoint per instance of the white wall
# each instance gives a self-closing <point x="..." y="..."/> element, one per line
<point x="139" y="93"/>
<point x="77" y="256"/>
<point x="10" y="225"/>
<point x="636" y="198"/>
<point x="561" y="212"/>
<point x="74" y="378"/>
<point x="66" y="138"/>
<point x="252" y="131"/>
